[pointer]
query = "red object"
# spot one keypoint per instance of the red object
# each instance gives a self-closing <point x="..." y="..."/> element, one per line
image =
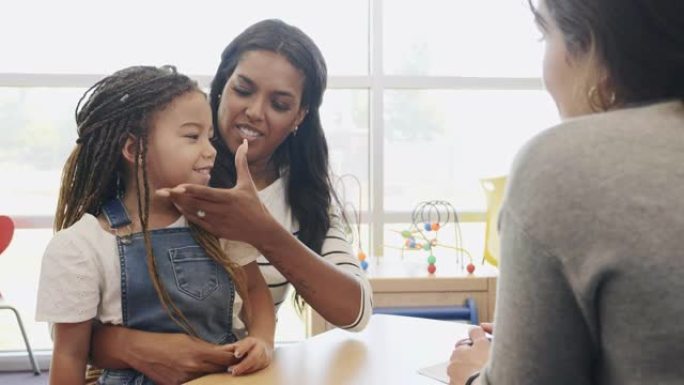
<point x="470" y="268"/>
<point x="6" y="232"/>
<point x="432" y="269"/>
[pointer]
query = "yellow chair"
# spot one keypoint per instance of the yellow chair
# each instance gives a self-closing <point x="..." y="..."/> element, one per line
<point x="494" y="192"/>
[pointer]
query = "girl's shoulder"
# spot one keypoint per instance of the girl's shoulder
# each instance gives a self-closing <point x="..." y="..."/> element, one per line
<point x="85" y="235"/>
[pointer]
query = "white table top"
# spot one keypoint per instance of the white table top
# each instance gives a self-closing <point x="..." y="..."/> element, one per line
<point x="389" y="351"/>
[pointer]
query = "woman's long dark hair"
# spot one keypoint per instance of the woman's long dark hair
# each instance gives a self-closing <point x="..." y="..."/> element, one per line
<point x="309" y="188"/>
<point x="639" y="42"/>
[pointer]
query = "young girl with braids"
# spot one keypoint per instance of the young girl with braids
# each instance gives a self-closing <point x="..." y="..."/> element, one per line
<point x="123" y="255"/>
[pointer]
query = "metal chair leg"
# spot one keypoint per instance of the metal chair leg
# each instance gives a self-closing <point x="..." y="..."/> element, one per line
<point x="32" y="358"/>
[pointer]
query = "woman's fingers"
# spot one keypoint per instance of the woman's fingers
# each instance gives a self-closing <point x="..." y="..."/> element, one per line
<point x="244" y="177"/>
<point x="476" y="334"/>
<point x="464" y="341"/>
<point x="206" y="193"/>
<point x="487" y="327"/>
<point x="189" y="203"/>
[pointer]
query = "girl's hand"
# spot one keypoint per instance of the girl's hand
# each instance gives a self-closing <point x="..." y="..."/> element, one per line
<point x="469" y="356"/>
<point x="236" y="213"/>
<point x="166" y="358"/>
<point x="254" y="353"/>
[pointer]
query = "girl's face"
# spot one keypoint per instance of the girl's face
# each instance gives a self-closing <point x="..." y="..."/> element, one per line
<point x="261" y="102"/>
<point x="179" y="142"/>
<point x="565" y="75"/>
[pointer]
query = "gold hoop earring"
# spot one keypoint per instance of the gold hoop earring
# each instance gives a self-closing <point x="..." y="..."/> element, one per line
<point x="597" y="101"/>
<point x="591" y="97"/>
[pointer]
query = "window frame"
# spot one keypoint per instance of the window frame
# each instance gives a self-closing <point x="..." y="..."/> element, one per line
<point x="375" y="82"/>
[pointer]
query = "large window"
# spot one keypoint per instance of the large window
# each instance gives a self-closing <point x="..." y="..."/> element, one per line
<point x="423" y="101"/>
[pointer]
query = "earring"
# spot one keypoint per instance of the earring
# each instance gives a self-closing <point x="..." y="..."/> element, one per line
<point x="294" y="132"/>
<point x="597" y="102"/>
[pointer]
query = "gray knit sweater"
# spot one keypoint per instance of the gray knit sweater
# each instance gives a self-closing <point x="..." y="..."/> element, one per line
<point x="591" y="289"/>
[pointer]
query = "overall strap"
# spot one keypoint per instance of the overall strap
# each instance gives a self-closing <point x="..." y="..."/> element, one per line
<point x="116" y="214"/>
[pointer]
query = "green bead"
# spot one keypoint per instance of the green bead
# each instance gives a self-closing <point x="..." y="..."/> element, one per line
<point x="427" y="246"/>
<point x="431" y="260"/>
<point x="405" y="233"/>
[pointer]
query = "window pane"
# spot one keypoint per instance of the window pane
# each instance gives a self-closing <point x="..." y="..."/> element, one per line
<point x="440" y="143"/>
<point x="39" y="131"/>
<point x="73" y="36"/>
<point x="488" y="38"/>
<point x="345" y="119"/>
<point x="19" y="272"/>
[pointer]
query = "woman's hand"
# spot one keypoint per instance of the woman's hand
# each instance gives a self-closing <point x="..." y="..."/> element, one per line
<point x="488" y="327"/>
<point x="236" y="213"/>
<point x="469" y="356"/>
<point x="255" y="354"/>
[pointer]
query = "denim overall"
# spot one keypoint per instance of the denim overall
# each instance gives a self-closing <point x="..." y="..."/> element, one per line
<point x="196" y="284"/>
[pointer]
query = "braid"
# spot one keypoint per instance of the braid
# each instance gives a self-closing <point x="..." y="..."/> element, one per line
<point x="210" y="243"/>
<point x="144" y="209"/>
<point x="107" y="114"/>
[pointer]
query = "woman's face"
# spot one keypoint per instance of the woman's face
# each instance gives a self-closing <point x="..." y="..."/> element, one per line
<point x="261" y="102"/>
<point x="565" y="75"/>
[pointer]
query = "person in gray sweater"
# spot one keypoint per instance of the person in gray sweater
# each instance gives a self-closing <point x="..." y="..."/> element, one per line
<point x="591" y="287"/>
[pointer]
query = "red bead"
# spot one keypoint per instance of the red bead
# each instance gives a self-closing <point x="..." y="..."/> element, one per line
<point x="432" y="269"/>
<point x="470" y="268"/>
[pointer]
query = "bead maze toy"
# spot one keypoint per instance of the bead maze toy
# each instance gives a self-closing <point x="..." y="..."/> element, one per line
<point x="352" y="213"/>
<point x="427" y="220"/>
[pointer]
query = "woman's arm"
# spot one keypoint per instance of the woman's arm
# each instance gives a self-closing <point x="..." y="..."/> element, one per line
<point x="163" y="357"/>
<point x="70" y="354"/>
<point x="317" y="280"/>
<point x="351" y="311"/>
<point x="257" y="348"/>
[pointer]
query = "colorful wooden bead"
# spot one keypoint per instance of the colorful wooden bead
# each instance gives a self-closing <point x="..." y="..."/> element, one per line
<point x="470" y="268"/>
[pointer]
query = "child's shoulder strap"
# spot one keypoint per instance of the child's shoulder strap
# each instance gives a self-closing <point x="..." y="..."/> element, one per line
<point x="116" y="214"/>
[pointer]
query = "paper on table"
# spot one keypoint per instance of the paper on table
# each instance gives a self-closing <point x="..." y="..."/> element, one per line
<point x="437" y="372"/>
